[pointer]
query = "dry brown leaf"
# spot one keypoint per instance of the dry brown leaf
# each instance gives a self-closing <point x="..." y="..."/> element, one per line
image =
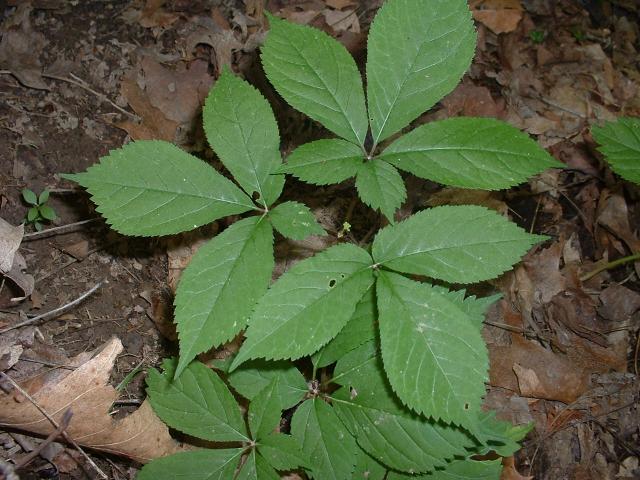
<point x="153" y="15"/>
<point x="472" y="101"/>
<point x="340" y="4"/>
<point x="466" y="196"/>
<point x="500" y="16"/>
<point x="346" y="21"/>
<point x="10" y="239"/>
<point x="140" y="436"/>
<point x="509" y="472"/>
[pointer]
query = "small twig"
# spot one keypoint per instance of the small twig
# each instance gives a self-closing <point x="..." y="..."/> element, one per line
<point x="66" y="418"/>
<point x="67" y="437"/>
<point x="70" y="227"/>
<point x="47" y="364"/>
<point x="53" y="313"/>
<point x="78" y="82"/>
<point x="635" y="355"/>
<point x="609" y="266"/>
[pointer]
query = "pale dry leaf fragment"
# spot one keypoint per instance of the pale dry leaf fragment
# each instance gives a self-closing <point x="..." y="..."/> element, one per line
<point x="10" y="239"/>
<point x="86" y="391"/>
<point x="500" y="16"/>
<point x="342" y="21"/>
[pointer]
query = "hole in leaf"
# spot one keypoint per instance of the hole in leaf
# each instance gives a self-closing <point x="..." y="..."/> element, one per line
<point x="255" y="196"/>
<point x="466" y="406"/>
<point x="332" y="283"/>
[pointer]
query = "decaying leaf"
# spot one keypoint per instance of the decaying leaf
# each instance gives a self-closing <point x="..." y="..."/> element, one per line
<point x="140" y="436"/>
<point x="10" y="239"/>
<point x="500" y="16"/>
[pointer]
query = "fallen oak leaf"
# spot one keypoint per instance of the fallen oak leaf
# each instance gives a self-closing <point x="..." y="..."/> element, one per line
<point x="140" y="436"/>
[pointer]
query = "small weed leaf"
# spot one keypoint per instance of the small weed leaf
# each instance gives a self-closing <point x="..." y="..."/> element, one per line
<point x="469" y="152"/>
<point x="235" y="264"/>
<point x="457" y="244"/>
<point x="295" y="221"/>
<point x="196" y="465"/>
<point x="386" y="429"/>
<point x="620" y="144"/>
<point x="252" y="377"/>
<point x="458" y="470"/>
<point x="429" y="344"/>
<point x="44" y="197"/>
<point x="417" y="53"/>
<point x="316" y="74"/>
<point x="324" y="162"/>
<point x="256" y="468"/>
<point x="265" y="410"/>
<point x="242" y="130"/>
<point x="361" y="328"/>
<point x="381" y="187"/>
<point x="308" y="305"/>
<point x="30" y="197"/>
<point x="197" y="403"/>
<point x="47" y="212"/>
<point x="325" y="441"/>
<point x="154" y="188"/>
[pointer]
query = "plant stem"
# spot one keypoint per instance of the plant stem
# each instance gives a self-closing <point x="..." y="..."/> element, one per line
<point x="610" y="265"/>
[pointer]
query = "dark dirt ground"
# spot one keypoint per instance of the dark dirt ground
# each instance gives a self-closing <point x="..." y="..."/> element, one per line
<point x="78" y="78"/>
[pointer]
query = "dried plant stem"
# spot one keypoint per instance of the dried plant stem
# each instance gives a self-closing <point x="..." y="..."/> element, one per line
<point x="66" y="436"/>
<point x="70" y="227"/>
<point x="610" y="265"/>
<point x="55" y="312"/>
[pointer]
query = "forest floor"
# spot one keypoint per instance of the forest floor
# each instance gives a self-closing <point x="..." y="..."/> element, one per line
<point x="79" y="78"/>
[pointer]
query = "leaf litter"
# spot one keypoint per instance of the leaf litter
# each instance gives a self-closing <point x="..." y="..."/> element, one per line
<point x="563" y="349"/>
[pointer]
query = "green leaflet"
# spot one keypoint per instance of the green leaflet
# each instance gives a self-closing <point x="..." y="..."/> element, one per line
<point x="457" y="244"/>
<point x="265" y="411"/>
<point x="381" y="187"/>
<point x="235" y="264"/>
<point x="256" y="468"/>
<point x="479" y="153"/>
<point x="367" y="468"/>
<point x="361" y="328"/>
<point x="242" y="130"/>
<point x="154" y="188"/>
<point x="383" y="427"/>
<point x="282" y="451"/>
<point x="197" y="403"/>
<point x="458" y="470"/>
<point x="500" y="436"/>
<point x="326" y="442"/>
<point x="308" y="305"/>
<point x="435" y="358"/>
<point x="294" y="220"/>
<point x="194" y="465"/>
<point x="324" y="162"/>
<point x="620" y="144"/>
<point x="316" y="75"/>
<point x="417" y="53"/>
<point x="252" y="377"/>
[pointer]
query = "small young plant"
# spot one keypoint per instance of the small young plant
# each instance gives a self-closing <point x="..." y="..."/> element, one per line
<point x="39" y="212"/>
<point x="397" y="363"/>
<point x="620" y="144"/>
<point x="537" y="36"/>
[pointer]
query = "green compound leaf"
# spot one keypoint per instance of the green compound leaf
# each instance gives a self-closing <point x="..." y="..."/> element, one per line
<point x="30" y="197"/>
<point x="418" y="52"/>
<point x="324" y="162"/>
<point x="469" y="152"/>
<point x="242" y="130"/>
<point x="256" y="468"/>
<point x="435" y="358"/>
<point x="360" y="329"/>
<point x="458" y="470"/>
<point x="196" y="465"/>
<point x="154" y="188"/>
<point x="381" y="187"/>
<point x="620" y="144"/>
<point x="254" y="376"/>
<point x="316" y="75"/>
<point x="283" y="452"/>
<point x="457" y="244"/>
<point x="237" y="264"/>
<point x="499" y="436"/>
<point x="265" y="410"/>
<point x="325" y="441"/>
<point x="383" y="427"/>
<point x="294" y="220"/>
<point x="197" y="403"/>
<point x="308" y="305"/>
<point x="367" y="468"/>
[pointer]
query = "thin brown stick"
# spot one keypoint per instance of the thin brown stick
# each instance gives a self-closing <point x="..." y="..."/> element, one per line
<point x="55" y="312"/>
<point x="70" y="227"/>
<point x="66" y="418"/>
<point x="66" y="436"/>
<point x="78" y="82"/>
